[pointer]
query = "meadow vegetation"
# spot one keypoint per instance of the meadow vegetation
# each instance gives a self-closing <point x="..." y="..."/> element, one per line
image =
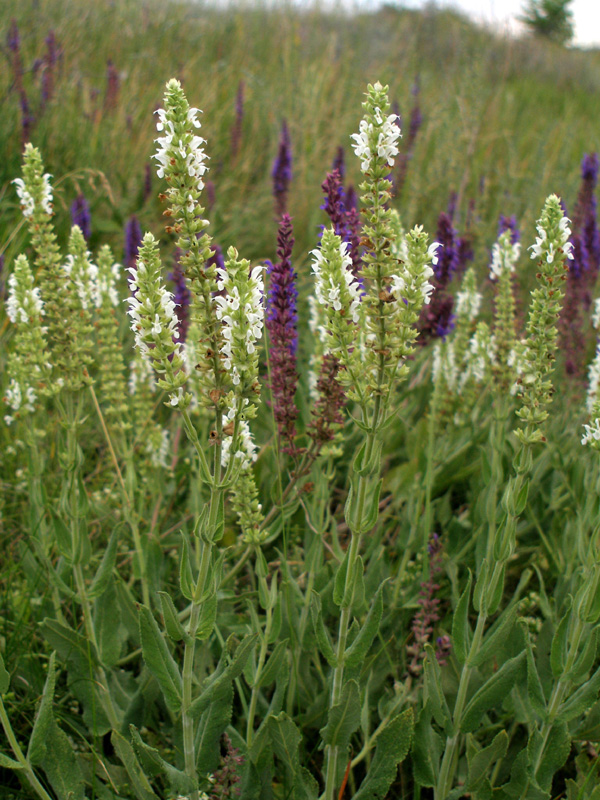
<point x="325" y="529"/>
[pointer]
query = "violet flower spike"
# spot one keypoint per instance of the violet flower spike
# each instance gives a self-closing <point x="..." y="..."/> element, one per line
<point x="81" y="216"/>
<point x="113" y="83"/>
<point x="133" y="242"/>
<point x="282" y="324"/>
<point x="236" y="128"/>
<point x="509" y="224"/>
<point x="49" y="63"/>
<point x="339" y="163"/>
<point x="282" y="171"/>
<point x="181" y="297"/>
<point x="334" y="203"/>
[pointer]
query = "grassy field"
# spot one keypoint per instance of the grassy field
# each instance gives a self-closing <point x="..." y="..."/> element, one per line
<point x="96" y="537"/>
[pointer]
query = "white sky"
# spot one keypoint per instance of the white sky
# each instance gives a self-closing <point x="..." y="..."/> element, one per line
<point x="586" y="13"/>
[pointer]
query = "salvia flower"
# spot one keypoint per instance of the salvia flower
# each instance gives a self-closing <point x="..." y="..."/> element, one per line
<point x="81" y="271"/>
<point x="81" y="216"/>
<point x="182" y="162"/>
<point x="42" y="198"/>
<point x="154" y="323"/>
<point x="505" y="254"/>
<point x="338" y="293"/>
<point x="468" y="299"/>
<point x="334" y="204"/>
<point x="377" y="139"/>
<point x="246" y="451"/>
<point x="509" y="224"/>
<point x="282" y="325"/>
<point x="593" y="382"/>
<point x="551" y="248"/>
<point x="241" y="312"/>
<point x="281" y="173"/>
<point x="28" y="367"/>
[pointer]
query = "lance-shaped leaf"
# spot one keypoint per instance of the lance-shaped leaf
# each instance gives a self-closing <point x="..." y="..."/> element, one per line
<point x="427" y="750"/>
<point x="173" y="626"/>
<point x="224" y="675"/>
<point x="139" y="782"/>
<point x="110" y="634"/>
<point x="495" y="637"/>
<point x="433" y="692"/>
<point x="393" y="744"/>
<point x="105" y="570"/>
<point x="555" y="752"/>
<point x="9" y="763"/>
<point x="159" y="660"/>
<point x="461" y="630"/>
<point x="581" y="700"/>
<point x="50" y="748"/>
<point x="321" y="633"/>
<point x="361" y="644"/>
<point x="211" y="726"/>
<point x="535" y="690"/>
<point x="481" y="761"/>
<point x="285" y="740"/>
<point x="560" y="646"/>
<point x="344" y="718"/>
<point x="186" y="579"/>
<point x="273" y="665"/>
<point x="4" y="677"/>
<point x="179" y="782"/>
<point x="585" y="661"/>
<point x="493" y="693"/>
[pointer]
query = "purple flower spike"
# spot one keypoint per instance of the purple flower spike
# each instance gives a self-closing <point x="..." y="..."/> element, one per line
<point x="133" y="242"/>
<point x="339" y="163"/>
<point x="216" y="260"/>
<point x="428" y="613"/>
<point x="282" y="171"/>
<point x="80" y="215"/>
<point x="13" y="43"/>
<point x="351" y="200"/>
<point x="236" y="129"/>
<point x="49" y="64"/>
<point x="414" y="125"/>
<point x="282" y="324"/>
<point x="113" y="83"/>
<point x="334" y="203"/>
<point x="211" y="197"/>
<point x="182" y="297"/>
<point x="437" y="319"/>
<point x="13" y="38"/>
<point x="509" y="224"/>
<point x="227" y="778"/>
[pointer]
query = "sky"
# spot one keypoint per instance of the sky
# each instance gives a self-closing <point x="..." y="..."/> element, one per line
<point x="586" y="13"/>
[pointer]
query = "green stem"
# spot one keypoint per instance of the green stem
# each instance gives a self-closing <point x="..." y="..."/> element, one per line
<point x="12" y="739"/>
<point x="446" y="776"/>
<point x="261" y="663"/>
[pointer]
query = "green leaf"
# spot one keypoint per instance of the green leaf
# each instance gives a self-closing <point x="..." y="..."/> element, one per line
<point x="285" y="740"/>
<point x="393" y="744"/>
<point x="9" y="763"/>
<point x="139" y="782"/>
<point x="361" y="645"/>
<point x="50" y="748"/>
<point x="426" y="752"/>
<point x="173" y="626"/>
<point x="495" y="637"/>
<point x="208" y="616"/>
<point x="369" y="519"/>
<point x="179" y="782"/>
<point x="433" y="692"/>
<point x="321" y="632"/>
<point x="66" y="641"/>
<point x="560" y="646"/>
<point x="356" y="590"/>
<point x="271" y="668"/>
<point x="461" y="630"/>
<point x="343" y="719"/>
<point x="480" y="586"/>
<point x="159" y="660"/>
<point x="535" y="691"/>
<point x="64" y="542"/>
<point x="493" y="693"/>
<point x="211" y="727"/>
<point x="581" y="700"/>
<point x="186" y="579"/>
<point x="226" y="675"/>
<point x="521" y="500"/>
<point x="107" y="625"/>
<point x="480" y="762"/>
<point x="4" y="677"/>
<point x="105" y="570"/>
<point x="339" y="585"/>
<point x="556" y="751"/>
<point x="581" y="669"/>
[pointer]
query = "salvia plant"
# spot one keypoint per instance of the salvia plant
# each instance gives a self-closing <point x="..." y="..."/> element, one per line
<point x="322" y="562"/>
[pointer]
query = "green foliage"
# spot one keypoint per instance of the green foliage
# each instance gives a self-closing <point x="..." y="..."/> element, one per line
<point x="552" y="19"/>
